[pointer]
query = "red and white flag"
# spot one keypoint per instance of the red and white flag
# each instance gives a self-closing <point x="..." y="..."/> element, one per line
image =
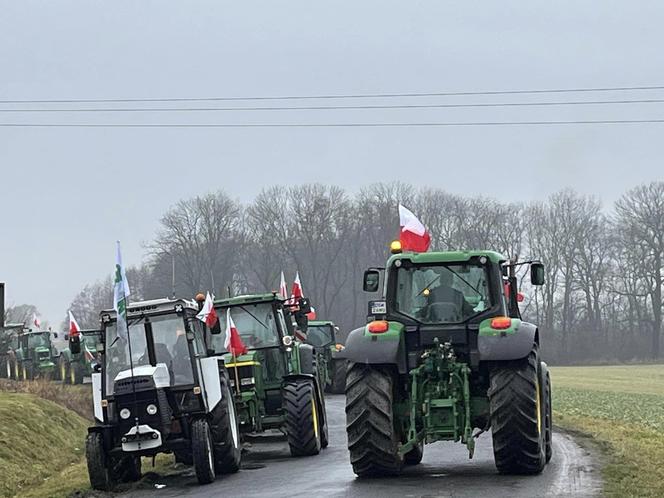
<point x="233" y="342"/>
<point x="414" y="235"/>
<point x="36" y="321"/>
<point x="283" y="290"/>
<point x="208" y="315"/>
<point x="74" y="329"/>
<point x="297" y="292"/>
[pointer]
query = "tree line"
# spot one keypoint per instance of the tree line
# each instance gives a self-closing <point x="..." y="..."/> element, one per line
<point x="602" y="299"/>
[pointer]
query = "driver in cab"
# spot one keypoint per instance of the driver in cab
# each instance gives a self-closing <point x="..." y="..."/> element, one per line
<point x="445" y="303"/>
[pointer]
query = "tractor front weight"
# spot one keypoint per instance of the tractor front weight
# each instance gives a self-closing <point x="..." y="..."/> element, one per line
<point x="439" y="400"/>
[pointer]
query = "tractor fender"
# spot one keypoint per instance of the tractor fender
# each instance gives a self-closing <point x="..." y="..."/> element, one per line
<point x="306" y="352"/>
<point x="513" y="343"/>
<point x="376" y="349"/>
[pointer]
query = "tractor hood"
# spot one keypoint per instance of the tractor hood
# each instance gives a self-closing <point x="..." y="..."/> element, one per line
<point x="158" y="375"/>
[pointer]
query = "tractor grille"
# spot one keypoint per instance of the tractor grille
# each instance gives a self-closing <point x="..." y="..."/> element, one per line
<point x="129" y="385"/>
<point x="245" y="374"/>
<point x="43" y="355"/>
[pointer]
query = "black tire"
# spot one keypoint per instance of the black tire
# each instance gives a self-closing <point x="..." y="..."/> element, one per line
<point x="339" y="377"/>
<point x="5" y="369"/>
<point x="17" y="369"/>
<point x="325" y="434"/>
<point x="414" y="456"/>
<point x="202" y="451"/>
<point x="128" y="469"/>
<point x="548" y="413"/>
<point x="373" y="441"/>
<point x="9" y="368"/>
<point x="75" y="373"/>
<point x="517" y="415"/>
<point x="225" y="428"/>
<point x="63" y="368"/>
<point x="302" y="418"/>
<point x="98" y="468"/>
<point x="26" y="371"/>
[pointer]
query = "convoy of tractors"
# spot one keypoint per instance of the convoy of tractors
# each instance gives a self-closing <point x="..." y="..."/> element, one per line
<point x="444" y="356"/>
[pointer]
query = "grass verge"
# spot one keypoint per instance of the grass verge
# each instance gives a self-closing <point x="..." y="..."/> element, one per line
<point x="622" y="408"/>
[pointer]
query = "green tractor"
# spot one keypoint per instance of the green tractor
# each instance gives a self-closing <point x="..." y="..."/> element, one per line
<point x="31" y="355"/>
<point x="323" y="336"/>
<point x="277" y="382"/>
<point x="446" y="352"/>
<point x="72" y="368"/>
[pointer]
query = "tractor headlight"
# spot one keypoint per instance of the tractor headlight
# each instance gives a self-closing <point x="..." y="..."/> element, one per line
<point x="151" y="409"/>
<point x="247" y="381"/>
<point x="125" y="413"/>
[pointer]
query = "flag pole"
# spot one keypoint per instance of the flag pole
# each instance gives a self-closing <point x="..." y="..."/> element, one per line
<point x="237" y="373"/>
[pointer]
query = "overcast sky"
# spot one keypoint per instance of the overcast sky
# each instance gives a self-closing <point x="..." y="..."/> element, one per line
<point x="68" y="193"/>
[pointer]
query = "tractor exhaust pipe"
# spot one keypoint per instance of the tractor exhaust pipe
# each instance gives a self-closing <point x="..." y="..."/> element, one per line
<point x="2" y="305"/>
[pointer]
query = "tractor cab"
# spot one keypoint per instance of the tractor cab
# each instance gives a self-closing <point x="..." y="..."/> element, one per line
<point x="154" y="385"/>
<point x="324" y="336"/>
<point x="276" y="380"/>
<point x="35" y="354"/>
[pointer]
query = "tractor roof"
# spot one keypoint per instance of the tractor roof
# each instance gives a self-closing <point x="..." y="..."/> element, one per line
<point x="267" y="297"/>
<point x="155" y="306"/>
<point x="446" y="257"/>
<point x="320" y="323"/>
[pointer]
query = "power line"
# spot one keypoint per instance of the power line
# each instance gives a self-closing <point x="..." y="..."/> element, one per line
<point x="338" y="96"/>
<point x="326" y="125"/>
<point x="347" y="107"/>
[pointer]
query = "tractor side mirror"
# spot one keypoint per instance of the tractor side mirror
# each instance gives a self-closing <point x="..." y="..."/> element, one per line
<point x="216" y="328"/>
<point x="537" y="273"/>
<point x="304" y="305"/>
<point x="75" y="344"/>
<point x="371" y="281"/>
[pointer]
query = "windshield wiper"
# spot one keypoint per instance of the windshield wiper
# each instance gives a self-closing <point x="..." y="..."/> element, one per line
<point x="464" y="280"/>
<point x="253" y="316"/>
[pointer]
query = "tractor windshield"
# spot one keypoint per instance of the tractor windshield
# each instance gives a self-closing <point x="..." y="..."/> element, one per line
<point x="320" y="335"/>
<point x="445" y="293"/>
<point x="170" y="348"/>
<point x="256" y="324"/>
<point x="39" y="340"/>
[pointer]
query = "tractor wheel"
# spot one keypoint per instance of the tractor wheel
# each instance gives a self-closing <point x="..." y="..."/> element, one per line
<point x="324" y="434"/>
<point x="548" y="415"/>
<point x="17" y="369"/>
<point x="26" y="371"/>
<point x="302" y="418"/>
<point x="75" y="373"/>
<point x="372" y="439"/>
<point x="414" y="456"/>
<point x="339" y="377"/>
<point x="98" y="468"/>
<point x="63" y="368"/>
<point x="128" y="468"/>
<point x="225" y="428"/>
<point x="202" y="450"/>
<point x="517" y="415"/>
<point x="9" y="368"/>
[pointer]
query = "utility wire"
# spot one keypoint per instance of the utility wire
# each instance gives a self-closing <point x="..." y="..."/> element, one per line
<point x="346" y="107"/>
<point x="326" y="125"/>
<point x="340" y="96"/>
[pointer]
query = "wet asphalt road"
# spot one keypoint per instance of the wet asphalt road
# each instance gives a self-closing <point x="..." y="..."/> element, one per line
<point x="445" y="471"/>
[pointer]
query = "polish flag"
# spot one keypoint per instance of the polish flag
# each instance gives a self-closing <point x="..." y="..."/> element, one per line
<point x="297" y="292"/>
<point x="36" y="321"/>
<point x="74" y="329"/>
<point x="283" y="290"/>
<point x="233" y="342"/>
<point x="208" y="315"/>
<point x="414" y="236"/>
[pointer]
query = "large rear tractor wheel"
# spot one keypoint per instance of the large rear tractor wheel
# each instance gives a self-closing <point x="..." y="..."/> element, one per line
<point x="63" y="368"/>
<point x="548" y="415"/>
<point x="339" y="377"/>
<point x="26" y="371"/>
<point x="75" y="373"/>
<point x="202" y="449"/>
<point x="303" y="420"/>
<point x="9" y="367"/>
<point x="372" y="438"/>
<point x="101" y="477"/>
<point x="516" y="400"/>
<point x="225" y="428"/>
<point x="17" y="369"/>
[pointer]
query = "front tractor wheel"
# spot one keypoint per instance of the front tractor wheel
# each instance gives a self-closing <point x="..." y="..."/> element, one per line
<point x="202" y="449"/>
<point x="303" y="420"/>
<point x="373" y="441"/>
<point x="517" y="406"/>
<point x="97" y="460"/>
<point x="63" y="368"/>
<point x="225" y="428"/>
<point x="339" y="378"/>
<point x="548" y="414"/>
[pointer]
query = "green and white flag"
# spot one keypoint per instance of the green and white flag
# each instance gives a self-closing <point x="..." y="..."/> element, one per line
<point x="120" y="294"/>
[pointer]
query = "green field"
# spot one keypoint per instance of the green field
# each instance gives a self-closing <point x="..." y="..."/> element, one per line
<point x="622" y="407"/>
